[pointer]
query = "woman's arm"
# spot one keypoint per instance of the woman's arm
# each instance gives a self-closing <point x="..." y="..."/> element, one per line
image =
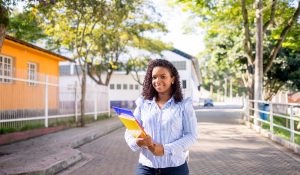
<point x="130" y="140"/>
<point x="189" y="137"/>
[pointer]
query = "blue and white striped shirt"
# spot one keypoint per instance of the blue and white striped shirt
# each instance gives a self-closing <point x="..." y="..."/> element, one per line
<point x="174" y="126"/>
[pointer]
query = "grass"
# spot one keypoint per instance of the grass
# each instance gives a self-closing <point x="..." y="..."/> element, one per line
<point x="36" y="124"/>
<point x="281" y="132"/>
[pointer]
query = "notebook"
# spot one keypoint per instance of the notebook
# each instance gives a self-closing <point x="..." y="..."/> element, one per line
<point x="130" y="122"/>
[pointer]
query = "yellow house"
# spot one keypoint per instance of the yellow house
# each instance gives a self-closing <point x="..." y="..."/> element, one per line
<point x="24" y="71"/>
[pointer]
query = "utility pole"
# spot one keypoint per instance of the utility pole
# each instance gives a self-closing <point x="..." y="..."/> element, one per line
<point x="258" y="84"/>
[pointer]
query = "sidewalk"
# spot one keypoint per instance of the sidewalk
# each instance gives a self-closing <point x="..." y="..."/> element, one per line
<point x="51" y="153"/>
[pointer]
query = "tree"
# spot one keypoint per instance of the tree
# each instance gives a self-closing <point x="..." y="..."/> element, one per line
<point x="226" y="18"/>
<point x="97" y="33"/>
<point x="116" y="38"/>
<point x="6" y="8"/>
<point x="285" y="72"/>
<point x="24" y="26"/>
<point x="4" y="20"/>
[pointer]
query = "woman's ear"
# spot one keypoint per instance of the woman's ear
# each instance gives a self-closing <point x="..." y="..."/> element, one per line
<point x="173" y="80"/>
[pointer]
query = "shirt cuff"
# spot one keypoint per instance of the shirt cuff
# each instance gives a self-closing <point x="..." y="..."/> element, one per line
<point x="167" y="149"/>
<point x="133" y="146"/>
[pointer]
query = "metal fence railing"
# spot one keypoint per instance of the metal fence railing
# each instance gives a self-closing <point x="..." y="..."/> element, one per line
<point x="277" y="118"/>
<point x="24" y="101"/>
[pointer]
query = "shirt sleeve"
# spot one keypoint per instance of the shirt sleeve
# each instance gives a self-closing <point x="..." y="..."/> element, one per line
<point x="189" y="137"/>
<point x="130" y="140"/>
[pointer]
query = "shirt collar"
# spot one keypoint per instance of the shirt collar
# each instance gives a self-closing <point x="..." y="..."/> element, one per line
<point x="167" y="104"/>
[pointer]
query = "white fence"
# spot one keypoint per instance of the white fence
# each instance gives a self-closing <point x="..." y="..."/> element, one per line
<point x="271" y="113"/>
<point x="24" y="101"/>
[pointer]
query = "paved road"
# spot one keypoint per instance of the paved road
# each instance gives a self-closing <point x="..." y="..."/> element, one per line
<point x="224" y="148"/>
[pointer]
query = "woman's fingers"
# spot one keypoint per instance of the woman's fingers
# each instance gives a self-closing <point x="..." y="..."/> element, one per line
<point x="145" y="141"/>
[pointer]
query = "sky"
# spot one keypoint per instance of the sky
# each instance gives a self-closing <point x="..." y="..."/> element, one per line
<point x="175" y="19"/>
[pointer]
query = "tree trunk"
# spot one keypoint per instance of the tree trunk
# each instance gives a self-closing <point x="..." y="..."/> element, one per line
<point x="3" y="23"/>
<point x="250" y="89"/>
<point x="83" y="93"/>
<point x="2" y="35"/>
<point x="258" y="85"/>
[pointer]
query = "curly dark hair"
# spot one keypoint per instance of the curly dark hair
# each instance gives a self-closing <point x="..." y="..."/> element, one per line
<point x="148" y="90"/>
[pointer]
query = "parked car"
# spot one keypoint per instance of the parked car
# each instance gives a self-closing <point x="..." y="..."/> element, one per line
<point x="208" y="102"/>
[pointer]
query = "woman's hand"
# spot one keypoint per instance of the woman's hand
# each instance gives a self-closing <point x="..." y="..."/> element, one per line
<point x="144" y="141"/>
<point x="157" y="149"/>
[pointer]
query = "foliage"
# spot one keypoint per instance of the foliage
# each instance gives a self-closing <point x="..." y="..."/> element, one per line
<point x="24" y="26"/>
<point x="102" y="30"/>
<point x="135" y="65"/>
<point x="6" y="7"/>
<point x="285" y="71"/>
<point x="97" y="33"/>
<point x="231" y="24"/>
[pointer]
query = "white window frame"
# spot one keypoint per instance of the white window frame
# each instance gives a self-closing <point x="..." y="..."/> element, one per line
<point x="32" y="73"/>
<point x="6" y="69"/>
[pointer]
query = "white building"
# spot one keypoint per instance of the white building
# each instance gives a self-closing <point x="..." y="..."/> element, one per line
<point x="124" y="90"/>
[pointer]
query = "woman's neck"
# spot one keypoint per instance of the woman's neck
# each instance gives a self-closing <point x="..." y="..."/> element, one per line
<point x="162" y="98"/>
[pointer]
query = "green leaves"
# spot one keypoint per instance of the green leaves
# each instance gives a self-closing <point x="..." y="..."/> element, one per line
<point x="24" y="26"/>
<point x="225" y="54"/>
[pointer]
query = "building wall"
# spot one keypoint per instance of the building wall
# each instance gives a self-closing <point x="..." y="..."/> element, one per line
<point x="187" y="75"/>
<point x="125" y="97"/>
<point x="19" y="94"/>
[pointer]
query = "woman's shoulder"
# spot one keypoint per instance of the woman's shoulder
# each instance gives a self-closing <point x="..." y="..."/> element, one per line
<point x="139" y="101"/>
<point x="187" y="100"/>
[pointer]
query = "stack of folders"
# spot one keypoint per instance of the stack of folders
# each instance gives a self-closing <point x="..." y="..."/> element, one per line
<point x="130" y="122"/>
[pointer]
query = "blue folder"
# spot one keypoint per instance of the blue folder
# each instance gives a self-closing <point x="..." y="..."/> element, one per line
<point x="123" y="111"/>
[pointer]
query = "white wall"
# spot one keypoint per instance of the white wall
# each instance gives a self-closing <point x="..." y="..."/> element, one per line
<point x="124" y="94"/>
<point x="189" y="75"/>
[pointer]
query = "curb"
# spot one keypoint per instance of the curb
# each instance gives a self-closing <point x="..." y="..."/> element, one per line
<point x="267" y="134"/>
<point x="95" y="136"/>
<point x="65" y="164"/>
<point x="74" y="157"/>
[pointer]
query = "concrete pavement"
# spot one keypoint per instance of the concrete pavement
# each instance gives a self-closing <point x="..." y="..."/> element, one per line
<point x="223" y="148"/>
<point x="51" y="153"/>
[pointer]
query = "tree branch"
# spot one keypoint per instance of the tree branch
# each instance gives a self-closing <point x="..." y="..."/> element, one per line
<point x="272" y="16"/>
<point x="283" y="34"/>
<point x="247" y="41"/>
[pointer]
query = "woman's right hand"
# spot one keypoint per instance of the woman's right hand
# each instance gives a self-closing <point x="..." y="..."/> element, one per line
<point x="145" y="141"/>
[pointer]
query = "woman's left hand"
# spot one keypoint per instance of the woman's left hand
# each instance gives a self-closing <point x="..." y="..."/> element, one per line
<point x="157" y="149"/>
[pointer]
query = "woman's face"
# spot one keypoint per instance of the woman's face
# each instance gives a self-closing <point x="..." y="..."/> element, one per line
<point x="162" y="80"/>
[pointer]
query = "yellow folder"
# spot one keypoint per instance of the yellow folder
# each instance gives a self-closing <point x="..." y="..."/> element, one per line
<point x="132" y="125"/>
<point x="130" y="122"/>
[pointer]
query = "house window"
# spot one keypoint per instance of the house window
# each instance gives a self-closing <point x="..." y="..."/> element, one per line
<point x="125" y="86"/>
<point x="118" y="86"/>
<point x="184" y="84"/>
<point x="5" y="69"/>
<point x="112" y="86"/>
<point x="180" y="65"/>
<point x="136" y="86"/>
<point x="131" y="86"/>
<point x="32" y="73"/>
<point x="65" y="70"/>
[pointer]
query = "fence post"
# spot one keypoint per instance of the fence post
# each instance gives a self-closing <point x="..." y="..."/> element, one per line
<point x="76" y="105"/>
<point x="95" y="104"/>
<point x="108" y="100"/>
<point x="256" y="113"/>
<point x="292" y="138"/>
<point x="46" y="101"/>
<point x="271" y="118"/>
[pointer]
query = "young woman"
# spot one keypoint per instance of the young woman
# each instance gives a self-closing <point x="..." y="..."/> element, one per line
<point x="169" y="121"/>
